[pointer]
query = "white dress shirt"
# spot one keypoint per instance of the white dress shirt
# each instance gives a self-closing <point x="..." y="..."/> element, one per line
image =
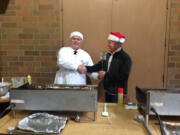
<point x="68" y="63"/>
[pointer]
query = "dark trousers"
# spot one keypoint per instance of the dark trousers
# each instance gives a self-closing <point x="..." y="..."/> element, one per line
<point x="109" y="98"/>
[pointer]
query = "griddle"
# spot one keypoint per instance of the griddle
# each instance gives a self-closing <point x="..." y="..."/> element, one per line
<point x="50" y="97"/>
<point x="165" y="101"/>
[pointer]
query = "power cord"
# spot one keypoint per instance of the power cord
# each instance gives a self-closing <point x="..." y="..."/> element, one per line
<point x="160" y="122"/>
<point x="7" y="110"/>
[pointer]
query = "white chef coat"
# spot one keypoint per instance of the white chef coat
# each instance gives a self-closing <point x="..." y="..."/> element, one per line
<point x="68" y="63"/>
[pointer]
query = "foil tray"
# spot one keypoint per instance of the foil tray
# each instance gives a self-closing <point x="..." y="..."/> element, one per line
<point x="43" y="123"/>
<point x="171" y="128"/>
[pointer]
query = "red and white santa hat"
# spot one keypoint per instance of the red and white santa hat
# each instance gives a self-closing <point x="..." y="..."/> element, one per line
<point x="117" y="37"/>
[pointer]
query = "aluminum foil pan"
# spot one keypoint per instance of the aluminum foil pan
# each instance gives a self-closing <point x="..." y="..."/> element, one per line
<point x="43" y="123"/>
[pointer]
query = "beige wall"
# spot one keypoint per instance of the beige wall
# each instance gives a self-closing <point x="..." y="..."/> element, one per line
<point x="145" y="37"/>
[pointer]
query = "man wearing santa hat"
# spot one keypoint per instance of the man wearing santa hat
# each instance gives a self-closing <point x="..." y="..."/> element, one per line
<point x="69" y="59"/>
<point x="115" y="69"/>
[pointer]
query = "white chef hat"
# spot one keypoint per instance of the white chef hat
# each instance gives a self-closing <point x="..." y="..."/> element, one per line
<point x="76" y="33"/>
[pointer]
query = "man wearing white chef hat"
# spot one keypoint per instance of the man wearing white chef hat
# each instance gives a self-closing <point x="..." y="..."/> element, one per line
<point x="69" y="59"/>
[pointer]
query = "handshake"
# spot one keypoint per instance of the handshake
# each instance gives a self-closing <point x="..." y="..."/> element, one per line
<point x="82" y="69"/>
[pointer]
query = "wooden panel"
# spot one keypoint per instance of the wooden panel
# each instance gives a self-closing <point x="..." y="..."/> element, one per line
<point x="143" y="22"/>
<point x="92" y="18"/>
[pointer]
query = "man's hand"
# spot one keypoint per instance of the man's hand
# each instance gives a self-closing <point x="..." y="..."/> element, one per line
<point x="82" y="69"/>
<point x="101" y="75"/>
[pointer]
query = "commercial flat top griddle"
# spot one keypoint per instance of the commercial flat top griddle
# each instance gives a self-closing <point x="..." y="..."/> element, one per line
<point x="165" y="101"/>
<point x="50" y="97"/>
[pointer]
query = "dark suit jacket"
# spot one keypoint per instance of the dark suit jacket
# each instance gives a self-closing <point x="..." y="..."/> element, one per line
<point x="118" y="74"/>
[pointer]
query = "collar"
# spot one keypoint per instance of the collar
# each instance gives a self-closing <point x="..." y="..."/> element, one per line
<point x="73" y="50"/>
<point x="118" y="50"/>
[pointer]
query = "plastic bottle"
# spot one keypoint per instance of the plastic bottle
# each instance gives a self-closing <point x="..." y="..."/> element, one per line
<point x="120" y="96"/>
<point x="29" y="80"/>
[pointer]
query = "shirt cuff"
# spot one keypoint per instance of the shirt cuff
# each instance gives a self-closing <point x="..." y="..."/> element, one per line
<point x="75" y="67"/>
